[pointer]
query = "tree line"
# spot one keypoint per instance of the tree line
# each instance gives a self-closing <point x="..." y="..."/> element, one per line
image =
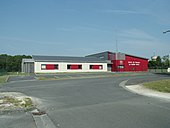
<point x="10" y="63"/>
<point x="159" y="63"/>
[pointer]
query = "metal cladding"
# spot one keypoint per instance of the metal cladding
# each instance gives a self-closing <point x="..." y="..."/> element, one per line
<point x="121" y="62"/>
<point x="67" y="59"/>
<point x="104" y="61"/>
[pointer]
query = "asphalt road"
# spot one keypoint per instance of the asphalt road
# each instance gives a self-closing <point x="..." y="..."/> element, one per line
<point x="90" y="103"/>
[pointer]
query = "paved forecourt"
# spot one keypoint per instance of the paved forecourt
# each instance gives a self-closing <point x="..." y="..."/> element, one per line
<point x="90" y="103"/>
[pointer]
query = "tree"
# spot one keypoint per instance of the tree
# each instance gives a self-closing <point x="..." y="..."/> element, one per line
<point x="152" y="64"/>
<point x="10" y="63"/>
<point x="158" y="62"/>
<point x="166" y="61"/>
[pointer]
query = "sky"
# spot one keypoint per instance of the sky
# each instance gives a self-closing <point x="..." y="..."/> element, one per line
<point x="83" y="27"/>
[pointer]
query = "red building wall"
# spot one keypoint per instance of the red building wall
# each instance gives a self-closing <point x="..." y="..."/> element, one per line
<point x="130" y="64"/>
<point x="135" y="63"/>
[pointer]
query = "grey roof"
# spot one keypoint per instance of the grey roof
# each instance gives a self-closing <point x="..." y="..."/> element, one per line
<point x="106" y="52"/>
<point x="27" y="60"/>
<point x="38" y="58"/>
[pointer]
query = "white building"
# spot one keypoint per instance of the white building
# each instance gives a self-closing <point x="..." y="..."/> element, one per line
<point x="55" y="64"/>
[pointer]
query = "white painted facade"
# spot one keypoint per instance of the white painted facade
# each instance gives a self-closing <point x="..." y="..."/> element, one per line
<point x="62" y="67"/>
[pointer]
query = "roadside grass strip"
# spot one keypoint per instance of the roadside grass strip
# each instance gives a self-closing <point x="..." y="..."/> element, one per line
<point x="17" y="74"/>
<point x="161" y="85"/>
<point x="84" y="75"/>
<point x="45" y="78"/>
<point x="3" y="79"/>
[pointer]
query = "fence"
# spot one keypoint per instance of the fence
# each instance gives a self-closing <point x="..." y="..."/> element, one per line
<point x="158" y="70"/>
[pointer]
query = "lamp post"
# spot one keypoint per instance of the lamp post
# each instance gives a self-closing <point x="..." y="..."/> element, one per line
<point x="168" y="55"/>
<point x="166" y="31"/>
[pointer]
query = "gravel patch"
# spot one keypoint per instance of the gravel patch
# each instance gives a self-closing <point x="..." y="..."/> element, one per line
<point x="10" y="101"/>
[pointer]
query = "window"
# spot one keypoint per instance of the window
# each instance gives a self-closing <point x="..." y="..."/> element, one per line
<point x="55" y="66"/>
<point x="120" y="66"/>
<point x="43" y="67"/>
<point x="99" y="67"/>
<point x="121" y="62"/>
<point x="91" y="66"/>
<point x="49" y="66"/>
<point x="74" y="66"/>
<point x="68" y="66"/>
<point x="79" y="66"/>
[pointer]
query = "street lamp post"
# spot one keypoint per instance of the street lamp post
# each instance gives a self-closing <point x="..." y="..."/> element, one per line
<point x="166" y="31"/>
<point x="168" y="55"/>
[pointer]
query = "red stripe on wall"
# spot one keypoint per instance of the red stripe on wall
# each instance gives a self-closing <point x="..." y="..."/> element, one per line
<point x="95" y="67"/>
<point x="74" y="67"/>
<point x="50" y="67"/>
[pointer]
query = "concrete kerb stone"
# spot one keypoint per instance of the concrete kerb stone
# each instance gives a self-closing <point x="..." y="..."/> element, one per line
<point x="6" y="80"/>
<point x="141" y="90"/>
<point x="42" y="119"/>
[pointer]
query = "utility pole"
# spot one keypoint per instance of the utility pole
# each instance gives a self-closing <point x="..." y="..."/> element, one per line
<point x="116" y="41"/>
<point x="169" y="54"/>
<point x="166" y="31"/>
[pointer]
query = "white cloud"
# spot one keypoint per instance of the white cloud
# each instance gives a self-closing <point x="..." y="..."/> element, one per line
<point x="21" y="40"/>
<point x="135" y="41"/>
<point x="112" y="11"/>
<point x="136" y="34"/>
<point x="82" y="28"/>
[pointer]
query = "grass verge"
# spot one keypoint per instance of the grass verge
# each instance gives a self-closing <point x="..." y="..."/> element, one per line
<point x="65" y="76"/>
<point x="3" y="76"/>
<point x="161" y="85"/>
<point x="17" y="74"/>
<point x="3" y="79"/>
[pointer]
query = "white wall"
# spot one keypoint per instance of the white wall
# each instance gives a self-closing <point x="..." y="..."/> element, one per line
<point x="62" y="67"/>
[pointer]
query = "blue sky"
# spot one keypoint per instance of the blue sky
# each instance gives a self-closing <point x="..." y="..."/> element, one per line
<point x="81" y="27"/>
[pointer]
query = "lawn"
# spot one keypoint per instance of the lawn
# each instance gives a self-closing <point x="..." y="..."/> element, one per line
<point x="161" y="85"/>
<point x="3" y="79"/>
<point x="4" y="75"/>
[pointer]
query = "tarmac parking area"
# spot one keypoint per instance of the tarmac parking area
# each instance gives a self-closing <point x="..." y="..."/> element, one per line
<point x="90" y="103"/>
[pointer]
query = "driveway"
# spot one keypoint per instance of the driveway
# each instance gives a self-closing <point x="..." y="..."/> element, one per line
<point x="90" y="103"/>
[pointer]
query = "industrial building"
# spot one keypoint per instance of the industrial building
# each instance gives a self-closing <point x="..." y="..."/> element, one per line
<point x="54" y="64"/>
<point x="121" y="62"/>
<point x="100" y="62"/>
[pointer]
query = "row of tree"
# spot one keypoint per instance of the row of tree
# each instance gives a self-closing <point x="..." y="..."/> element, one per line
<point x="159" y="63"/>
<point x="10" y="63"/>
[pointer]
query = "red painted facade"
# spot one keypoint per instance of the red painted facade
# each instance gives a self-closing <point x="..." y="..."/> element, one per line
<point x="49" y="66"/>
<point x="74" y="66"/>
<point x="130" y="64"/>
<point x="96" y="67"/>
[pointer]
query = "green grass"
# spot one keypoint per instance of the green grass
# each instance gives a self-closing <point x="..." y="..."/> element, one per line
<point x="8" y="99"/>
<point x="4" y="75"/>
<point x="3" y="79"/>
<point x="96" y="75"/>
<point x="44" y="78"/>
<point x="161" y="85"/>
<point x="28" y="102"/>
<point x="18" y="102"/>
<point x="17" y="74"/>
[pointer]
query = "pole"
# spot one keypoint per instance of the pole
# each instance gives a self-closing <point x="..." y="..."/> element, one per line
<point x="166" y="31"/>
<point x="169" y="54"/>
<point x="116" y="41"/>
